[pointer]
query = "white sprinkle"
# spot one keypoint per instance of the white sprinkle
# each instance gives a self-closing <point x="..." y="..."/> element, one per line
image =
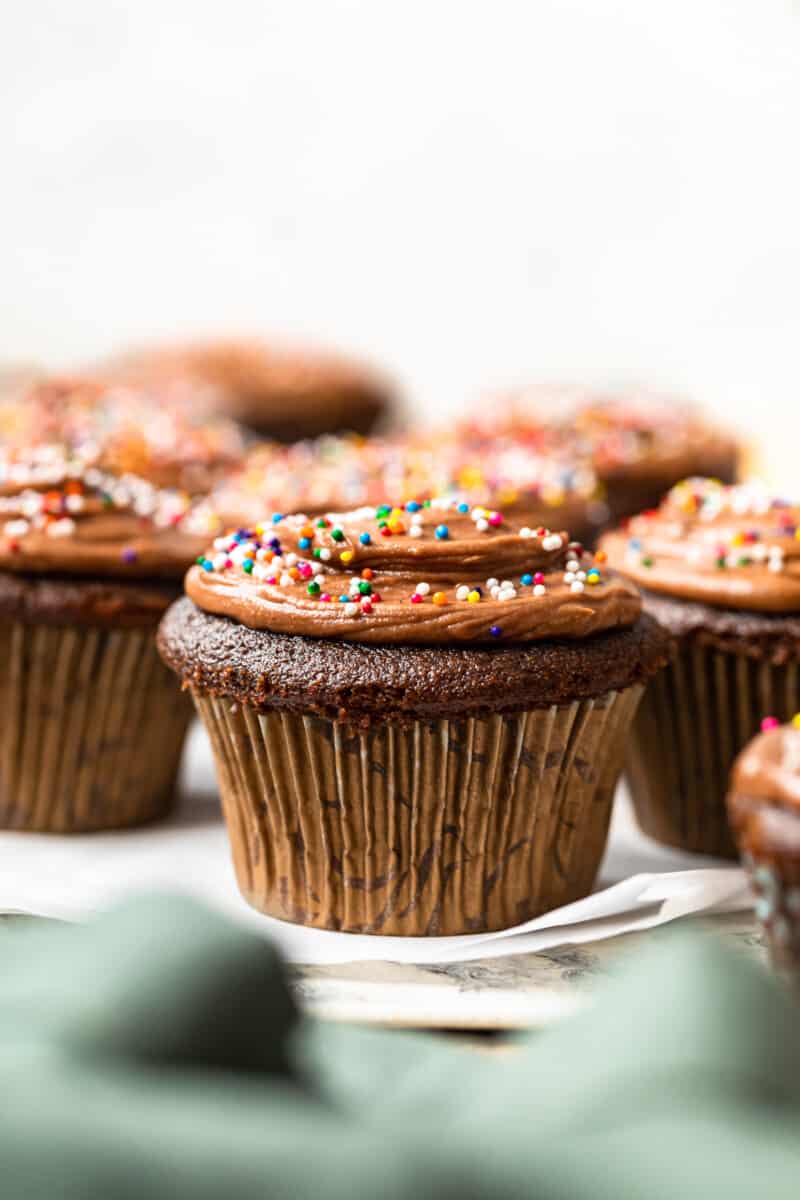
<point x="351" y="610"/>
<point x="316" y="568"/>
<point x="422" y="589"/>
<point x="569" y="577"/>
<point x="552" y="542"/>
<point x="577" y="586"/>
<point x="286" y="579"/>
<point x="526" y="532"/>
<point x="219" y="561"/>
<point x="325" y="554"/>
<point x="462" y="592"/>
<point x="221" y="543"/>
<point x="539" y="589"/>
<point x="507" y="583"/>
<point x="580" y="576"/>
<point x="573" y="565"/>
<point x="62" y="528"/>
<point x="482" y="525"/>
<point x="16" y="528"/>
<point x="491" y="583"/>
<point x="291" y="560"/>
<point x="494" y="591"/>
<point x="775" y="564"/>
<point x="507" y="593"/>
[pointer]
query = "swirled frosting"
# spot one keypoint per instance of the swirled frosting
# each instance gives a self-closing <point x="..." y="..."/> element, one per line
<point x="732" y="547"/>
<point x="625" y="432"/>
<point x="335" y="473"/>
<point x="167" y="436"/>
<point x="436" y="572"/>
<point x="60" y="515"/>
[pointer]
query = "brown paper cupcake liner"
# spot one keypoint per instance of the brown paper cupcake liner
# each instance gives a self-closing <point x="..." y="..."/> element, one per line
<point x="437" y="827"/>
<point x="92" y="728"/>
<point x="694" y="719"/>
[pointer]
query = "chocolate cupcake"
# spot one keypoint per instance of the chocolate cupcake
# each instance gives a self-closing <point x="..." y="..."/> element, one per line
<point x="530" y="484"/>
<point x="167" y="435"/>
<point x="639" y="444"/>
<point x="719" y="568"/>
<point x="764" y="809"/>
<point x="418" y="715"/>
<point x="278" y="392"/>
<point x="93" y="723"/>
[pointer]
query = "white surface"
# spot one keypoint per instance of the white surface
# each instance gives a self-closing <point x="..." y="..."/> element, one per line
<point x="472" y="192"/>
<point x="71" y="877"/>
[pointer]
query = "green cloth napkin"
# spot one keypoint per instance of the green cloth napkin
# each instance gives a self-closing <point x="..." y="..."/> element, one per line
<point x="158" y="1053"/>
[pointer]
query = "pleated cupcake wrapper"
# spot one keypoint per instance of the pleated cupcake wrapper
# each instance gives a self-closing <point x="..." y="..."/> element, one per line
<point x="92" y="728"/>
<point x="438" y="827"/>
<point x="694" y="719"/>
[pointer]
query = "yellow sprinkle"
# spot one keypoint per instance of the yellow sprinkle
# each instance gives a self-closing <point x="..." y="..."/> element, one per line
<point x="439" y="598"/>
<point x="474" y="597"/>
<point x="346" y="556"/>
<point x="796" y="720"/>
<point x="259" y="530"/>
<point x="797" y="533"/>
<point x="737" y="539"/>
<point x="593" y="579"/>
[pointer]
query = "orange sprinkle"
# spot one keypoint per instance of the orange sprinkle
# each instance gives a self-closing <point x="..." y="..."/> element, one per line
<point x="294" y="573"/>
<point x="367" y="573"/>
<point x="439" y="598"/>
<point x="600" y="556"/>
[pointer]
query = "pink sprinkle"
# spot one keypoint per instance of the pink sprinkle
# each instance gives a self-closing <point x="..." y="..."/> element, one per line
<point x="769" y="723"/>
<point x="538" y="577"/>
<point x="228" y="564"/>
<point x="416" y="598"/>
<point x="324" y="596"/>
<point x="271" y="579"/>
<point x="496" y="518"/>
<point x="305" y="571"/>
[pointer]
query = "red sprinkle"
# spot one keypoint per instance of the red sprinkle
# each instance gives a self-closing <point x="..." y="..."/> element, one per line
<point x="416" y="598"/>
<point x="538" y="577"/>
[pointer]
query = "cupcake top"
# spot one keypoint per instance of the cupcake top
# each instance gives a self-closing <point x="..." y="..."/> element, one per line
<point x="62" y="515"/>
<point x="435" y="572"/>
<point x="336" y="473"/>
<point x="769" y="767"/>
<point x="167" y="435"/>
<point x="727" y="546"/>
<point x="624" y="433"/>
<point x="287" y="392"/>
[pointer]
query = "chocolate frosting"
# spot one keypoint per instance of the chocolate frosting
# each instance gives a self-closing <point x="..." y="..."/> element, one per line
<point x="60" y="516"/>
<point x="769" y="768"/>
<point x="435" y="573"/>
<point x="729" y="547"/>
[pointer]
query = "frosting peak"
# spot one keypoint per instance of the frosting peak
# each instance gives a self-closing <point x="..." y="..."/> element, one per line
<point x="433" y="572"/>
<point x="730" y="546"/>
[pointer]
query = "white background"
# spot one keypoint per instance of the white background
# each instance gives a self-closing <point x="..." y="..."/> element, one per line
<point x="473" y="193"/>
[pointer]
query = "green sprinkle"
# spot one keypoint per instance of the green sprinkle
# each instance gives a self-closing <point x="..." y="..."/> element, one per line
<point x="337" y="535"/>
<point x="313" y="588"/>
<point x="317" y="552"/>
<point x="365" y="588"/>
<point x="247" y="565"/>
<point x="647" y="562"/>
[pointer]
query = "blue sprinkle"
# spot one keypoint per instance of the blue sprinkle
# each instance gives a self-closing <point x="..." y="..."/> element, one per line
<point x="413" y="506"/>
<point x="343" y="599"/>
<point x="303" y="543"/>
<point x="442" y="532"/>
<point x="495" y="630"/>
<point x="207" y="564"/>
<point x="526" y="580"/>
<point x="635" y="543"/>
<point x="463" y="508"/>
<point x="276" y="517"/>
<point x="275" y="544"/>
<point x="364" y="538"/>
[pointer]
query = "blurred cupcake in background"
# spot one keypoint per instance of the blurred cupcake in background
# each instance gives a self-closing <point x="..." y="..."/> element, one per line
<point x="279" y="392"/>
<point x="764" y="808"/>
<point x="93" y="723"/>
<point x="418" y="713"/>
<point x="638" y="443"/>
<point x="719" y="569"/>
<point x="526" y="482"/>
<point x="167" y="435"/>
